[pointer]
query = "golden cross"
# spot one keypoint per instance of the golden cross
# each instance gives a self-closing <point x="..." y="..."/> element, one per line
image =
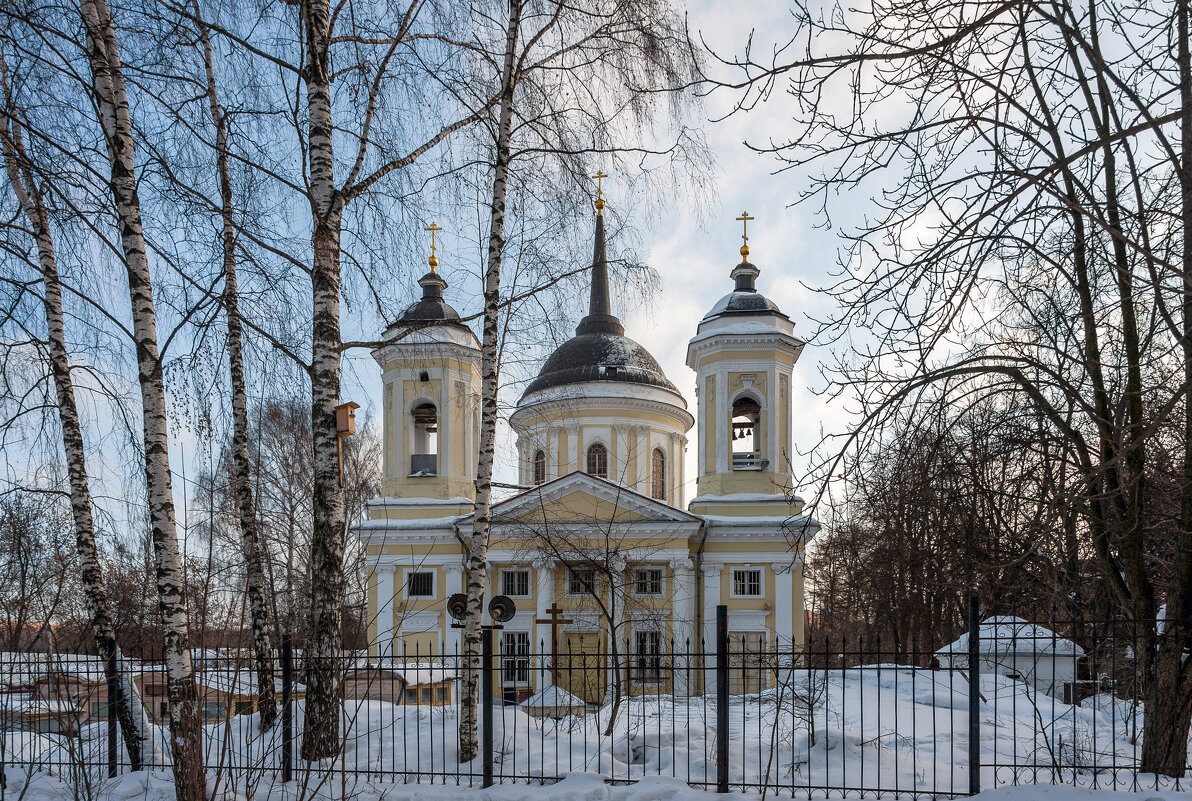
<point x="600" y="176"/>
<point x="745" y="218"/>
<point x="433" y="261"/>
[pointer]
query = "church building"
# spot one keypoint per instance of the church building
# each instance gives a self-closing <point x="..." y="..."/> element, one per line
<point x="600" y="535"/>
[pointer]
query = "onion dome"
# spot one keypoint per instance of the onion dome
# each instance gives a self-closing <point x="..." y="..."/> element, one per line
<point x="599" y="351"/>
<point x="744" y="299"/>
<point x="432" y="306"/>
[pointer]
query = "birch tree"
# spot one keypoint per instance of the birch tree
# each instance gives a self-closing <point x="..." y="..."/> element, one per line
<point x="574" y="81"/>
<point x="252" y="548"/>
<point x="115" y="118"/>
<point x="28" y="189"/>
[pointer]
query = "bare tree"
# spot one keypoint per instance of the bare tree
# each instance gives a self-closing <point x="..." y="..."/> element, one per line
<point x="1031" y="244"/>
<point x="115" y="117"/>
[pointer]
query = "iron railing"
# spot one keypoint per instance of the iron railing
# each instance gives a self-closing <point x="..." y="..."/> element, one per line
<point x="1005" y="702"/>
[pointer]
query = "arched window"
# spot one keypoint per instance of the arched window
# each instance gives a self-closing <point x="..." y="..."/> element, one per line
<point x="658" y="475"/>
<point x="424" y="455"/>
<point x="539" y="466"/>
<point x="597" y="460"/>
<point x="747" y="434"/>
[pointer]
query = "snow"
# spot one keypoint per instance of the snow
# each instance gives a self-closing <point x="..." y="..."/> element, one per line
<point x="417" y="674"/>
<point x="552" y="697"/>
<point x="1002" y="635"/>
<point x="884" y="727"/>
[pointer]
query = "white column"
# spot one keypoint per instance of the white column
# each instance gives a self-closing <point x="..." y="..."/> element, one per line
<point x="683" y="622"/>
<point x="616" y="603"/>
<point x="618" y="470"/>
<point x="645" y="460"/>
<point x="711" y="571"/>
<point x="784" y="605"/>
<point x="453" y="582"/>
<point x="544" y="571"/>
<point x="384" y="575"/>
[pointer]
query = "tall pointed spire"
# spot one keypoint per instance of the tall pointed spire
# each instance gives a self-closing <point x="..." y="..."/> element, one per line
<point x="600" y="319"/>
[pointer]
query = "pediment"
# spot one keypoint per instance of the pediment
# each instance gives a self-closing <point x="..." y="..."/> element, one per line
<point x="583" y="499"/>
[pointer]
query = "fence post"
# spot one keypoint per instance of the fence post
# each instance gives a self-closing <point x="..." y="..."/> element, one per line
<point x="113" y="692"/>
<point x="486" y="704"/>
<point x="974" y="712"/>
<point x="722" y="699"/>
<point x="287" y="714"/>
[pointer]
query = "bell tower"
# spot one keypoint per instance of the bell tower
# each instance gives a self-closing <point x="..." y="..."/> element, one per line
<point x="743" y="354"/>
<point x="431" y="400"/>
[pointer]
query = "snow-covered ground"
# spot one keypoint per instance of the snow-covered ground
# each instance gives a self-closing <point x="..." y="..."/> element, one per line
<point x="886" y="730"/>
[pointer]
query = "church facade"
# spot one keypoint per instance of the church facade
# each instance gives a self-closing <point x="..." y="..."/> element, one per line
<point x="598" y="535"/>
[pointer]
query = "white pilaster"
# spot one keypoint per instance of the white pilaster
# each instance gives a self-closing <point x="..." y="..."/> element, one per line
<point x="574" y="458"/>
<point x="784" y="605"/>
<point x="384" y="573"/>
<point x="447" y="417"/>
<point x="683" y="622"/>
<point x="453" y="582"/>
<point x="723" y="425"/>
<point x="711" y="571"/>
<point x="645" y="457"/>
<point x="544" y="571"/>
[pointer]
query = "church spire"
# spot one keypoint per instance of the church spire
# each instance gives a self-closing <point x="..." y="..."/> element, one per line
<point x="600" y="319"/>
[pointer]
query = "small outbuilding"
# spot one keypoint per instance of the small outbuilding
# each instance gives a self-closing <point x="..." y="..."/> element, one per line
<point x="1010" y="646"/>
<point x="554" y="702"/>
<point x="421" y="684"/>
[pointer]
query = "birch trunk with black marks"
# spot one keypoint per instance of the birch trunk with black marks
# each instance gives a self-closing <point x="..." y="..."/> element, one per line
<point x="320" y="737"/>
<point x="111" y="103"/>
<point x="489" y="378"/>
<point x="250" y="540"/>
<point x="99" y="611"/>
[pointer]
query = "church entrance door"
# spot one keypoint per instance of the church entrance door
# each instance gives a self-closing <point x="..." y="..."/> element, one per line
<point x="582" y="666"/>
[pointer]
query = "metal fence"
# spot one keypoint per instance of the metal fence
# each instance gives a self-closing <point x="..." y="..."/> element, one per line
<point x="1005" y="702"/>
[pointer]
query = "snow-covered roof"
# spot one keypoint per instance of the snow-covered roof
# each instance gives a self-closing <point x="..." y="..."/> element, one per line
<point x="415" y="674"/>
<point x="1005" y="634"/>
<point x="552" y="697"/>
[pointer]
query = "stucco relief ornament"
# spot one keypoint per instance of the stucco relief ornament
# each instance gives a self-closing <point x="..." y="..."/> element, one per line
<point x="682" y="564"/>
<point x="712" y="567"/>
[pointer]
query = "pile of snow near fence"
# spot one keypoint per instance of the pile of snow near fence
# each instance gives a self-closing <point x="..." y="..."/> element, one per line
<point x="873" y="729"/>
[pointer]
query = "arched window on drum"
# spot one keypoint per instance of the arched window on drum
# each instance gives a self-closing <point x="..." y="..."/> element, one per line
<point x="658" y="475"/>
<point x="539" y="466"/>
<point x="597" y="460"/>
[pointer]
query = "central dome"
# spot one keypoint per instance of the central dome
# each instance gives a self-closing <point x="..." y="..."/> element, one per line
<point x="600" y="357"/>
<point x="599" y="351"/>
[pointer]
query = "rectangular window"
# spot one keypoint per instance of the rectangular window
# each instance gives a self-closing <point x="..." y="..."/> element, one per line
<point x="99" y="710"/>
<point x="515" y="657"/>
<point x="581" y="581"/>
<point x="420" y="584"/>
<point x="426" y="695"/>
<point x="515" y="583"/>
<point x="647" y="581"/>
<point x="442" y="693"/>
<point x="747" y="583"/>
<point x="213" y="709"/>
<point x="647" y="656"/>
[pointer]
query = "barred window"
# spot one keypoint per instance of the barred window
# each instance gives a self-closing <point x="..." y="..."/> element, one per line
<point x="515" y="657"/>
<point x="747" y="583"/>
<point x="597" y="460"/>
<point x="539" y="467"/>
<point x="658" y="475"/>
<point x="420" y="585"/>
<point x="647" y="655"/>
<point x="647" y="581"/>
<point x="581" y="581"/>
<point x="515" y="583"/>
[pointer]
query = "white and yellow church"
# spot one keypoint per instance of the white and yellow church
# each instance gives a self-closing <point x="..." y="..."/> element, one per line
<point x="599" y="535"/>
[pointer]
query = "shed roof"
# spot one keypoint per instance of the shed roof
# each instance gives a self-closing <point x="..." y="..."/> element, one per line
<point x="1002" y="635"/>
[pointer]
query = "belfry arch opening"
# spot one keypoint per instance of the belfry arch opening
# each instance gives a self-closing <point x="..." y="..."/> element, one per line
<point x="746" y="434"/>
<point x="424" y="455"/>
